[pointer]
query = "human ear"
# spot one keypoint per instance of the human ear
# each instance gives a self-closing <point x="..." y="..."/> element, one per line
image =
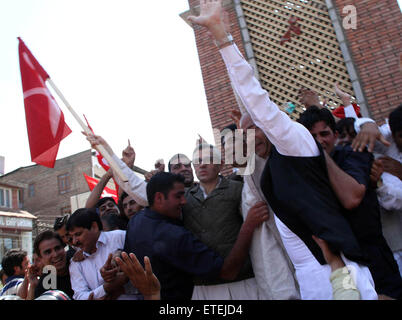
<point x="159" y="197"/>
<point x="94" y="226"/>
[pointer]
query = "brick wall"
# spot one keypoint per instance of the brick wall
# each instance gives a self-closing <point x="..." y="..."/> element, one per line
<point x="376" y="46"/>
<point x="218" y="90"/>
<point x="47" y="202"/>
<point x="14" y="198"/>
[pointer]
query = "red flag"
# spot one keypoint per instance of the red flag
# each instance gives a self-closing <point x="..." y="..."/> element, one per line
<point x="107" y="192"/>
<point x="340" y="111"/>
<point x="45" y="121"/>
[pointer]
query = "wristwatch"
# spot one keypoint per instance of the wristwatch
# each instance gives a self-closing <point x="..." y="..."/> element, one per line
<point x="227" y="39"/>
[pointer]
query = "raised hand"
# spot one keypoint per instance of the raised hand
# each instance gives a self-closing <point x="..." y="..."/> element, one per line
<point x="211" y="12"/>
<point x="144" y="280"/>
<point x="309" y="98"/>
<point x="160" y="165"/>
<point x="345" y="97"/>
<point x="150" y="174"/>
<point x="368" y="135"/>
<point x="212" y="17"/>
<point x="128" y="155"/>
<point x="95" y="141"/>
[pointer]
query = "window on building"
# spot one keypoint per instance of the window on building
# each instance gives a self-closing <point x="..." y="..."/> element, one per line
<point x="20" y="198"/>
<point x="5" y="197"/>
<point x="64" y="183"/>
<point x="31" y="190"/>
<point x="7" y="242"/>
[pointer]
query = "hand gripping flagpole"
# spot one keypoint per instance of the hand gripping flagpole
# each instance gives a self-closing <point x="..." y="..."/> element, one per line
<point x="102" y="150"/>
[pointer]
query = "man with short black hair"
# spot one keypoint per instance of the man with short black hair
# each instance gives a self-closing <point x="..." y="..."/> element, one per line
<point x="14" y="264"/>
<point x="60" y="227"/>
<point x="181" y="164"/>
<point x="128" y="206"/>
<point x="49" y="247"/>
<point x="349" y="174"/>
<point x="110" y="214"/>
<point x="86" y="230"/>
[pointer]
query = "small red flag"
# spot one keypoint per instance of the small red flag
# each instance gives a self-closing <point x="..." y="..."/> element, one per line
<point x="107" y="192"/>
<point x="340" y="111"/>
<point x="45" y="120"/>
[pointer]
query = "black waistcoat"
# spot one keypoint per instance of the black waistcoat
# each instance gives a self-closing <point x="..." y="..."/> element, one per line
<point x="299" y="192"/>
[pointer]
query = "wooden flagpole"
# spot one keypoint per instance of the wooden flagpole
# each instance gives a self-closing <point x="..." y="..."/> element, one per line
<point x="102" y="150"/>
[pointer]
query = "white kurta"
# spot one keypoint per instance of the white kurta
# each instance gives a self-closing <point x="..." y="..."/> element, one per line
<point x="272" y="267"/>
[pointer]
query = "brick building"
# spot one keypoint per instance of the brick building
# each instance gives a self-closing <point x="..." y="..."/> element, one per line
<point x="357" y="46"/>
<point x="48" y="193"/>
<point x="16" y="225"/>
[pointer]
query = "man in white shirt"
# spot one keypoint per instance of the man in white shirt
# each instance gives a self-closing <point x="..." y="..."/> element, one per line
<point x="85" y="228"/>
<point x="272" y="267"/>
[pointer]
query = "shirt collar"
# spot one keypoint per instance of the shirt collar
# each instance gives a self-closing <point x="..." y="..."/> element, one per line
<point x="101" y="241"/>
<point x="217" y="186"/>
<point x="12" y="278"/>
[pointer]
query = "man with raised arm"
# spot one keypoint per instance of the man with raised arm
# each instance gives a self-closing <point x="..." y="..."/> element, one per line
<point x="294" y="180"/>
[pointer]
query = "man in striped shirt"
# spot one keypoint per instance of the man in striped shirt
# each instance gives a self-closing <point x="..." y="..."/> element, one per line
<point x="14" y="264"/>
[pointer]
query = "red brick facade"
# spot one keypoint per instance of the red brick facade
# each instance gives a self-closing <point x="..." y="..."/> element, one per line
<point x="376" y="46"/>
<point x="219" y="93"/>
<point x="46" y="201"/>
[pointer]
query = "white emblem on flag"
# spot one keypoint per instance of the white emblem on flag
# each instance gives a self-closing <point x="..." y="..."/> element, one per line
<point x="54" y="110"/>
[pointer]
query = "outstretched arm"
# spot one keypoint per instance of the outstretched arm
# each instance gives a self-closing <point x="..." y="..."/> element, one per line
<point x="135" y="186"/>
<point x="370" y="136"/>
<point x="98" y="189"/>
<point x="343" y="286"/>
<point x="346" y="101"/>
<point x="289" y="137"/>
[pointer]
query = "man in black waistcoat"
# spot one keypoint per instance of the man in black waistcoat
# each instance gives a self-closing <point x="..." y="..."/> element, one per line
<point x="349" y="174"/>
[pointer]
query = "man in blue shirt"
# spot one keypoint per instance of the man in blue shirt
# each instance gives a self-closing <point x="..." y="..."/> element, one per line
<point x="14" y="264"/>
<point x="349" y="174"/>
<point x="175" y="253"/>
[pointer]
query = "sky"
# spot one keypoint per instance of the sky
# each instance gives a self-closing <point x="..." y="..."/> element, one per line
<point x="130" y="66"/>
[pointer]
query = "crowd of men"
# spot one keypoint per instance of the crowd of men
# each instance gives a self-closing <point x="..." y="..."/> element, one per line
<point x="317" y="215"/>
